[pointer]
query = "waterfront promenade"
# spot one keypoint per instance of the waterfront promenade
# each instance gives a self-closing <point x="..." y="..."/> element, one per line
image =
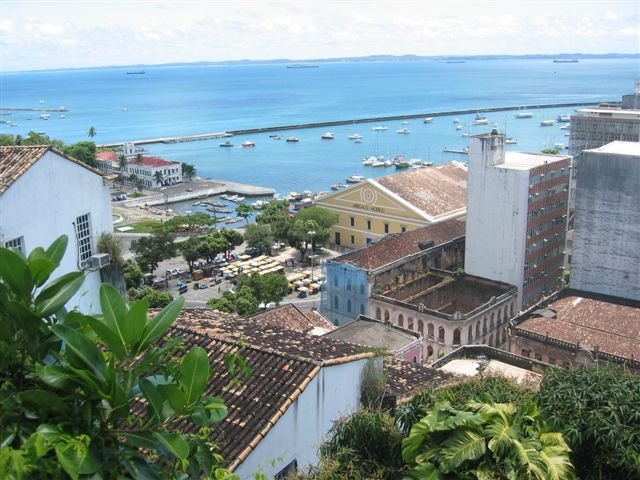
<point x="230" y="133"/>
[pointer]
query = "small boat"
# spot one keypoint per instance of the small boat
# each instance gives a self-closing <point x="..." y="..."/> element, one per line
<point x="328" y="136"/>
<point x="355" y="179"/>
<point x="559" y="146"/>
<point x="404" y="131"/>
<point x="378" y="163"/>
<point x="357" y="140"/>
<point x="292" y="140"/>
<point x="428" y="120"/>
<point x="403" y="164"/>
<point x="566" y="126"/>
<point x="275" y="137"/>
<point x="226" y="144"/>
<point x="369" y="160"/>
<point x="564" y="118"/>
<point x="547" y="123"/>
<point x="233" y="220"/>
<point x="125" y="109"/>
<point x="381" y="128"/>
<point x="61" y="116"/>
<point x="567" y="134"/>
<point x="303" y="65"/>
<point x="404" y="123"/>
<point x="355" y="136"/>
<point x="338" y="186"/>
<point x="458" y="127"/>
<point x="236" y="199"/>
<point x="45" y="116"/>
<point x="463" y="151"/>
<point x="456" y="120"/>
<point x="568" y="60"/>
<point x="427" y="163"/>
<point x="388" y="163"/>
<point x="195" y="204"/>
<point x="480" y="121"/>
<point x="524" y="115"/>
<point x="248" y="144"/>
<point x="465" y="134"/>
<point x="511" y="141"/>
<point x="136" y="72"/>
<point x="220" y="210"/>
<point x="258" y="205"/>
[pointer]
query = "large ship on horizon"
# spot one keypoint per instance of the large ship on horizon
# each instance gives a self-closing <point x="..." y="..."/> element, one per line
<point x="136" y="72"/>
<point x="566" y="60"/>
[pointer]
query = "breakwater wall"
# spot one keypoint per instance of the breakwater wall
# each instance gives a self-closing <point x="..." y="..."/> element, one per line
<point x="353" y="121"/>
<point x="15" y="109"/>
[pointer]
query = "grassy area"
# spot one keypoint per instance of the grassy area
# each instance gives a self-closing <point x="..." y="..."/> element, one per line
<point x="136" y="195"/>
<point x="146" y="226"/>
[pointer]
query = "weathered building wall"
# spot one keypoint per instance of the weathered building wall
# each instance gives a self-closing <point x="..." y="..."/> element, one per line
<point x="606" y="243"/>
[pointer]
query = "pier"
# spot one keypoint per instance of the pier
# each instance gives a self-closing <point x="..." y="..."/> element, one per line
<point x="355" y="121"/>
<point x="15" y="109"/>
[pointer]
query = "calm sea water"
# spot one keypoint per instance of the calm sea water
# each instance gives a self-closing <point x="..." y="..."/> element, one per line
<point x="169" y="101"/>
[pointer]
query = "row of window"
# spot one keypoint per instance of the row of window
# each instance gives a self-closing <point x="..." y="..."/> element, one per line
<point x="546" y="225"/>
<point x="352" y="222"/>
<point x="543" y="177"/>
<point x="538" y="212"/>
<point x="549" y="192"/>
<point x="534" y="262"/>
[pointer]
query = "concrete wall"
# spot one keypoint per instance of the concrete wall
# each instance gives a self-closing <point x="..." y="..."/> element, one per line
<point x="496" y="219"/>
<point x="333" y="393"/>
<point x="606" y="242"/>
<point x="44" y="204"/>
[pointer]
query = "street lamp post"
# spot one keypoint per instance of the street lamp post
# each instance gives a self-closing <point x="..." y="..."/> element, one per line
<point x="311" y="233"/>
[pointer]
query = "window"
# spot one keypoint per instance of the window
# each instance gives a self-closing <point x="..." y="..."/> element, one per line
<point x="368" y="224"/>
<point x="378" y="313"/>
<point x="335" y="302"/>
<point x="83" y="236"/>
<point x="441" y="335"/>
<point x="386" y="228"/>
<point x="337" y="238"/>
<point x="353" y="239"/>
<point x="287" y="472"/>
<point x="401" y="320"/>
<point x="348" y="306"/>
<point x="362" y="309"/>
<point x="456" y="336"/>
<point x="353" y="222"/>
<point x="430" y="331"/>
<point x="362" y="289"/>
<point x="403" y="229"/>
<point x="17" y="243"/>
<point x="386" y="315"/>
<point x="525" y="353"/>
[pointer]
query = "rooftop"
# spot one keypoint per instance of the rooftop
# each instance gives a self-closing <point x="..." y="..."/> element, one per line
<point x="439" y="291"/>
<point x="288" y="316"/>
<point x="400" y="245"/>
<point x="438" y="191"/>
<point x="608" y="112"/>
<point x="152" y="162"/>
<point x="609" y="324"/>
<point x="107" y="156"/>
<point x="620" y="148"/>
<point x="374" y="333"/>
<point x="406" y="379"/>
<point x="527" y="161"/>
<point x="16" y="160"/>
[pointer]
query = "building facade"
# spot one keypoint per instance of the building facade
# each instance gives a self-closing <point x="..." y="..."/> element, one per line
<point x="153" y="171"/>
<point x="594" y="127"/>
<point x="396" y="203"/>
<point x="394" y="259"/>
<point x="448" y="311"/>
<point x="45" y="194"/>
<point x="517" y="215"/>
<point x="606" y="237"/>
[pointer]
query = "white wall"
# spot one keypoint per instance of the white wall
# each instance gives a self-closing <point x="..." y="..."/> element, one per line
<point x="334" y="392"/>
<point x="496" y="220"/>
<point x="43" y="204"/>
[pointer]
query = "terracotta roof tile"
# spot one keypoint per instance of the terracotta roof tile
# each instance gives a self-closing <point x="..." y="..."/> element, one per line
<point x="288" y="316"/>
<point x="612" y="325"/>
<point x="406" y="379"/>
<point x="400" y="245"/>
<point x="437" y="191"/>
<point x="152" y="162"/>
<point x="16" y="160"/>
<point x="107" y="155"/>
<point x="374" y="333"/>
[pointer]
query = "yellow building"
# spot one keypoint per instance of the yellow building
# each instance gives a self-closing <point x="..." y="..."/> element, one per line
<point x="396" y="203"/>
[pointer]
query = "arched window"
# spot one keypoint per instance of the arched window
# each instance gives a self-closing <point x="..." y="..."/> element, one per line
<point x="511" y="311"/>
<point x="491" y="340"/>
<point x="504" y="335"/>
<point x="400" y="319"/>
<point x="410" y="323"/>
<point x="349" y="306"/>
<point x="484" y="326"/>
<point x="362" y="289"/>
<point x="440" y="334"/>
<point x="492" y="323"/>
<point x="478" y="330"/>
<point x="429" y="353"/>
<point x="349" y="286"/>
<point x="378" y="314"/>
<point x="430" y="331"/>
<point x="335" y="302"/>
<point x="386" y="315"/>
<point x="470" y="335"/>
<point x="335" y="281"/>
<point x="362" y="309"/>
<point x="415" y="360"/>
<point x="420" y="326"/>
<point x="456" y="337"/>
<point x="500" y="316"/>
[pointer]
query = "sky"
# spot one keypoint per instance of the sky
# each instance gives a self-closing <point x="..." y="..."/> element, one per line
<point x="69" y="34"/>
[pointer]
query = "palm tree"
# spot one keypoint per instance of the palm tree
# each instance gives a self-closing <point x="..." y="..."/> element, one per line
<point x="188" y="170"/>
<point x="486" y="440"/>
<point x="243" y="210"/>
<point x="92" y="132"/>
<point x="133" y="179"/>
<point x="18" y="139"/>
<point x="158" y="177"/>
<point x="122" y="164"/>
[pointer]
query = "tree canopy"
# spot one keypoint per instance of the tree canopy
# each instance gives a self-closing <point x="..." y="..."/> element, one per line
<point x="153" y="249"/>
<point x="259" y="236"/>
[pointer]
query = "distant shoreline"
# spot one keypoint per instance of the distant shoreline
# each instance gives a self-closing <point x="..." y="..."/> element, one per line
<point x="369" y="58"/>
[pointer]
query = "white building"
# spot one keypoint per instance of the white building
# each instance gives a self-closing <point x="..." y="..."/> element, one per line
<point x="516" y="217"/>
<point x="45" y="194"/>
<point x="142" y="166"/>
<point x="606" y="244"/>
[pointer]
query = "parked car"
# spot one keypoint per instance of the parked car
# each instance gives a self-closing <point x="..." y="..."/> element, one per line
<point x="252" y="251"/>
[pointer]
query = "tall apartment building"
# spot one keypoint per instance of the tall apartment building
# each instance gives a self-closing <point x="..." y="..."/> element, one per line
<point x="606" y="244"/>
<point x="516" y="217"/>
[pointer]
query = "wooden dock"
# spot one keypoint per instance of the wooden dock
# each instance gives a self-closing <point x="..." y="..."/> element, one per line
<point x="353" y="121"/>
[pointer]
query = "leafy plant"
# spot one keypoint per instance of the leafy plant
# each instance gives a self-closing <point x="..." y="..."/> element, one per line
<point x="94" y="395"/>
<point x="485" y="441"/>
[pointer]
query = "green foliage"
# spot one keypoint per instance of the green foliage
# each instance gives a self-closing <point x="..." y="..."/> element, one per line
<point x="259" y="236"/>
<point x="155" y="298"/>
<point x="276" y="214"/>
<point x="233" y="237"/>
<point x="243" y="302"/>
<point x="459" y="274"/>
<point x="69" y="383"/>
<point x="599" y="411"/>
<point x="272" y="287"/>
<point x="133" y="275"/>
<point x="550" y="151"/>
<point x="92" y="132"/>
<point x="374" y="383"/>
<point x="365" y="445"/>
<point x="109" y="243"/>
<point x="485" y="440"/>
<point x="83" y="151"/>
<point x="325" y="218"/>
<point x="188" y="171"/>
<point x="158" y="177"/>
<point x="486" y="389"/>
<point x="153" y="249"/>
<point x="244" y="210"/>
<point x="187" y="222"/>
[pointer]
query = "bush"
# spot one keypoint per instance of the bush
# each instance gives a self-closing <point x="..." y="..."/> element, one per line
<point x="155" y="298"/>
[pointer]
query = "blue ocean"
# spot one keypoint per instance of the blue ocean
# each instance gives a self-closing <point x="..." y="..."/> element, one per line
<point x="170" y="101"/>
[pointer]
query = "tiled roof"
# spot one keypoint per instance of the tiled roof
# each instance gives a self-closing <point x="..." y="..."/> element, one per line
<point x="437" y="191"/>
<point x="152" y="162"/>
<point x="406" y="379"/>
<point x="16" y="160"/>
<point x="373" y="333"/>
<point x="610" y="324"/>
<point x="400" y="245"/>
<point x="254" y="404"/>
<point x="107" y="155"/>
<point x="269" y="337"/>
<point x="288" y="316"/>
